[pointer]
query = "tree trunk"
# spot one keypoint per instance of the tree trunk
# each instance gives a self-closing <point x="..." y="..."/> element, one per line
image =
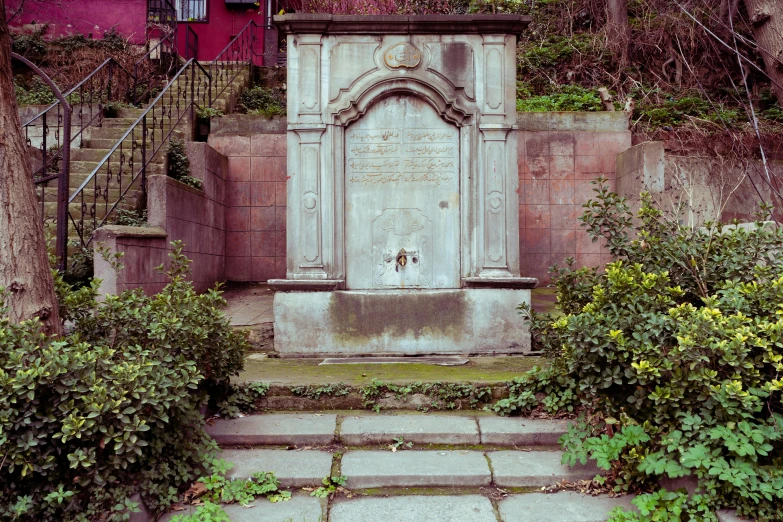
<point x="24" y="263"/>
<point x="617" y="28"/>
<point x="766" y="16"/>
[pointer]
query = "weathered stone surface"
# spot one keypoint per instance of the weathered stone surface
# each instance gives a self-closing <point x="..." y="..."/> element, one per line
<point x="402" y="175"/>
<point x="573" y="121"/>
<point x="505" y="431"/>
<point x="144" y="514"/>
<point x="281" y="428"/>
<point x="400" y="322"/>
<point x="534" y="468"/>
<point x="292" y="468"/>
<point x="473" y="508"/>
<point x="301" y="508"/>
<point x="374" y="469"/>
<point x="565" y="506"/>
<point x="729" y="515"/>
<point x="418" y="429"/>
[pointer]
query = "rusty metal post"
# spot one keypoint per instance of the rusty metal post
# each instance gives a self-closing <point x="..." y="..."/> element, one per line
<point x="63" y="180"/>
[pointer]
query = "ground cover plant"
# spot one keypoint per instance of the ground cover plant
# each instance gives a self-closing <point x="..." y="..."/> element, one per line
<point x="673" y="357"/>
<point x="113" y="407"/>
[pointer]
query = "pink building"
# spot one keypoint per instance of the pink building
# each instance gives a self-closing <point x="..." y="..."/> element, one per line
<point x="216" y="22"/>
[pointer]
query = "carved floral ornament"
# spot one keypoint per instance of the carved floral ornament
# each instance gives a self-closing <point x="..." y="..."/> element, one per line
<point x="402" y="55"/>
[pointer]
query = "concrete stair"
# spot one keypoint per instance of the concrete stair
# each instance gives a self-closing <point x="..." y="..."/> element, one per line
<point x="98" y="143"/>
<point x="461" y="467"/>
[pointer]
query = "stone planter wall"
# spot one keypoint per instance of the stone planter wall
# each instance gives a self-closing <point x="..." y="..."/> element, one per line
<point x="175" y="212"/>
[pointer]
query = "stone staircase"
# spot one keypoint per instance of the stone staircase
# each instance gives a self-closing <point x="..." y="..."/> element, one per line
<point x="461" y="467"/>
<point x="103" y="138"/>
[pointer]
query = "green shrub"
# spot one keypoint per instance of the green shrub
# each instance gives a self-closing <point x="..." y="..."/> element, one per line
<point x="34" y="92"/>
<point x="676" y="355"/>
<point x="178" y="164"/>
<point x="113" y="407"/>
<point x="568" y="98"/>
<point x="261" y="100"/>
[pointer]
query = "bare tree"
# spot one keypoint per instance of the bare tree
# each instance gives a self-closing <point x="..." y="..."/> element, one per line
<point x="24" y="263"/>
<point x="766" y="16"/>
<point x="617" y="28"/>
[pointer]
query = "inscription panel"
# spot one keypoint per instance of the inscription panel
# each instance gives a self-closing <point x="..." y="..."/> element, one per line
<point x="402" y="198"/>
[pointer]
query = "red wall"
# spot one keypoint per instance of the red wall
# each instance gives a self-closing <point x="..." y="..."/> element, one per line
<point x="95" y="17"/>
<point x="224" y="22"/>
<point x="555" y="171"/>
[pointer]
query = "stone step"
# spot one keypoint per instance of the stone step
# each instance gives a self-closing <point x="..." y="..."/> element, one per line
<point x="293" y="468"/>
<point x="276" y="429"/>
<point x="285" y="376"/>
<point x="98" y="154"/>
<point x="418" y="429"/>
<point x="368" y="429"/>
<point x="301" y="508"/>
<point x="116" y="133"/>
<point x="81" y="169"/>
<point x="415" y="508"/>
<point x="369" y="469"/>
<point x="387" y="469"/>
<point x="50" y="194"/>
<point x="564" y="506"/>
<point x="521" y="469"/>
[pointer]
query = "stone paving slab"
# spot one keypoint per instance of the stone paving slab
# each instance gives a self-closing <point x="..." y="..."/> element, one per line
<point x="729" y="515"/>
<point x="419" y="429"/>
<point x="535" y="468"/>
<point x="463" y="508"/>
<point x="565" y="506"/>
<point x="377" y="469"/>
<point x="283" y="429"/>
<point x="301" y="508"/>
<point x="506" y="431"/>
<point x="293" y="468"/>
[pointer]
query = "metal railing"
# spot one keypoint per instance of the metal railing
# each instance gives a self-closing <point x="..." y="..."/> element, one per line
<point x="45" y="131"/>
<point x="61" y="247"/>
<point x="126" y="165"/>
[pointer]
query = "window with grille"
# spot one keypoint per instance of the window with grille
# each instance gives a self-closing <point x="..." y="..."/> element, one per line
<point x="191" y="10"/>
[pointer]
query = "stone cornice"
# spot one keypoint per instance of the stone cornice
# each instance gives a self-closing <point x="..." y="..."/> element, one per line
<point x="401" y="24"/>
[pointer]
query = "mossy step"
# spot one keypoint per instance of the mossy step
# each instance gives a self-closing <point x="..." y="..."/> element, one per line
<point x="96" y="154"/>
<point x="469" y="430"/>
<point x="302" y="384"/>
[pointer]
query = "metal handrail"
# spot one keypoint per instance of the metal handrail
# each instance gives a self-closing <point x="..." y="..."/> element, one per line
<point x="217" y="69"/>
<point x="146" y="156"/>
<point x="61" y="237"/>
<point x="128" y="133"/>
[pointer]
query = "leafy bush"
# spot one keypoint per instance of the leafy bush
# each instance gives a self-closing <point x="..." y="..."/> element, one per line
<point x="261" y="100"/>
<point x="568" y="98"/>
<point x="113" y="407"/>
<point x="674" y="356"/>
<point x="241" y="398"/>
<point x="33" y="92"/>
<point x="178" y="164"/>
<point x="216" y="488"/>
<point x="675" y="111"/>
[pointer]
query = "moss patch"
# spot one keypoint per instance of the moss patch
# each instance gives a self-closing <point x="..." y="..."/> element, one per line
<point x="307" y="372"/>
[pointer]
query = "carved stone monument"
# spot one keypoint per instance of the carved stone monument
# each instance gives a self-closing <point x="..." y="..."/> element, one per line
<point x="402" y="225"/>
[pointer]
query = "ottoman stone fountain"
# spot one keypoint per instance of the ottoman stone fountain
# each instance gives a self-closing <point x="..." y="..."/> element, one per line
<point x="402" y="219"/>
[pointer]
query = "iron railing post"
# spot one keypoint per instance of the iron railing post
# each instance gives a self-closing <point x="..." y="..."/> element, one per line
<point x="144" y="155"/>
<point x="63" y="187"/>
<point x="108" y="83"/>
<point x="192" y="95"/>
<point x="61" y="239"/>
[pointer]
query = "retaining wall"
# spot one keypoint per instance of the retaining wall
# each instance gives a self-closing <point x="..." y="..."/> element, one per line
<point x="175" y="212"/>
